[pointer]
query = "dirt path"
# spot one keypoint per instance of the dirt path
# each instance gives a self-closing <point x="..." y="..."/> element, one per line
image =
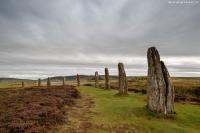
<point x="78" y="116"/>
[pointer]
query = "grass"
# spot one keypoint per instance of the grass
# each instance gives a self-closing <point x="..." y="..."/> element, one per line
<point x="128" y="113"/>
<point x="16" y="83"/>
<point x="116" y="113"/>
<point x="112" y="112"/>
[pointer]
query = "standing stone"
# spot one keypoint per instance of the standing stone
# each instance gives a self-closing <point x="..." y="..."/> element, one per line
<point x="96" y="79"/>
<point x="160" y="91"/>
<point x="78" y="80"/>
<point x="39" y="82"/>
<point x="63" y="81"/>
<point x="48" y="82"/>
<point x="23" y="84"/>
<point x="170" y="94"/>
<point x="123" y="88"/>
<point x="107" y="83"/>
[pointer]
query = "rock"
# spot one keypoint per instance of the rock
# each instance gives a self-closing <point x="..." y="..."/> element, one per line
<point x="160" y="91"/>
<point x="78" y="80"/>
<point x="39" y="82"/>
<point x="96" y="79"/>
<point x="107" y="82"/>
<point x="48" y="82"/>
<point x="123" y="88"/>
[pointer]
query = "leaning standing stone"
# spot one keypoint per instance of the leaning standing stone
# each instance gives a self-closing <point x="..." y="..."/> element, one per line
<point x="123" y="88"/>
<point x="107" y="83"/>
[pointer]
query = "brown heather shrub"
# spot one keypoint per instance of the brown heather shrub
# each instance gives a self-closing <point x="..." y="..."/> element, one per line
<point x="196" y="92"/>
<point x="34" y="109"/>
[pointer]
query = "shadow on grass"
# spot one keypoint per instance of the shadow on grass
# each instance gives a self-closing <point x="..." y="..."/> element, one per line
<point x="120" y="95"/>
<point x="146" y="113"/>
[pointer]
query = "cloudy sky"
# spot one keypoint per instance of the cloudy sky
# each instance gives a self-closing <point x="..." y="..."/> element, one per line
<point x="44" y="38"/>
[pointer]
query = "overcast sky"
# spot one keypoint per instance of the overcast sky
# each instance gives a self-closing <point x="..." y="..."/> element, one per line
<point x="45" y="38"/>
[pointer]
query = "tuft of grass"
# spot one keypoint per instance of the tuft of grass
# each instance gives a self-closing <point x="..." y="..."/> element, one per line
<point x="115" y="112"/>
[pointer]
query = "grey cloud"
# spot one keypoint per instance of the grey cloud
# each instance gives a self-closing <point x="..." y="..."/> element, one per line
<point x="90" y="33"/>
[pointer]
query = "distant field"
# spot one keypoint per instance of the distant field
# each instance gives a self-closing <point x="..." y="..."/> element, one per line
<point x="182" y="85"/>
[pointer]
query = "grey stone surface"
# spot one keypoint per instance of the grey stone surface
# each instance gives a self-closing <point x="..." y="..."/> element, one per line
<point x="48" y="82"/>
<point x="158" y="84"/>
<point x="170" y="94"/>
<point x="23" y="84"/>
<point x="96" y="79"/>
<point x="78" y="80"/>
<point x="63" y="80"/>
<point x="107" y="81"/>
<point x="123" y="88"/>
<point x="39" y="82"/>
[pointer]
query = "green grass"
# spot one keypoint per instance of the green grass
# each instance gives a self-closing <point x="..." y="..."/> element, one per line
<point x="10" y="84"/>
<point x="115" y="110"/>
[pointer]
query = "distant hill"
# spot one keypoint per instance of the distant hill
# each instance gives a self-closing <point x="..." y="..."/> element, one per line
<point x="12" y="79"/>
<point x="73" y="77"/>
<point x="100" y="78"/>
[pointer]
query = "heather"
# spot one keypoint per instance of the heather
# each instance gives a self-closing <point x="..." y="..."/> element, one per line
<point x="35" y="109"/>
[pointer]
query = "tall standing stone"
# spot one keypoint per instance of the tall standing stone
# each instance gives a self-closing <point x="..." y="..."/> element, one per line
<point x="39" y="82"/>
<point x="107" y="82"/>
<point x="23" y="84"/>
<point x="160" y="91"/>
<point x="96" y="79"/>
<point x="123" y="87"/>
<point x="78" y="80"/>
<point x="48" y="82"/>
<point x="63" y="81"/>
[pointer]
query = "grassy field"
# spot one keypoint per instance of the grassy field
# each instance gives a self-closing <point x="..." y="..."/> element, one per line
<point x="104" y="111"/>
<point x="116" y="113"/>
<point x="189" y="86"/>
<point x="16" y="83"/>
